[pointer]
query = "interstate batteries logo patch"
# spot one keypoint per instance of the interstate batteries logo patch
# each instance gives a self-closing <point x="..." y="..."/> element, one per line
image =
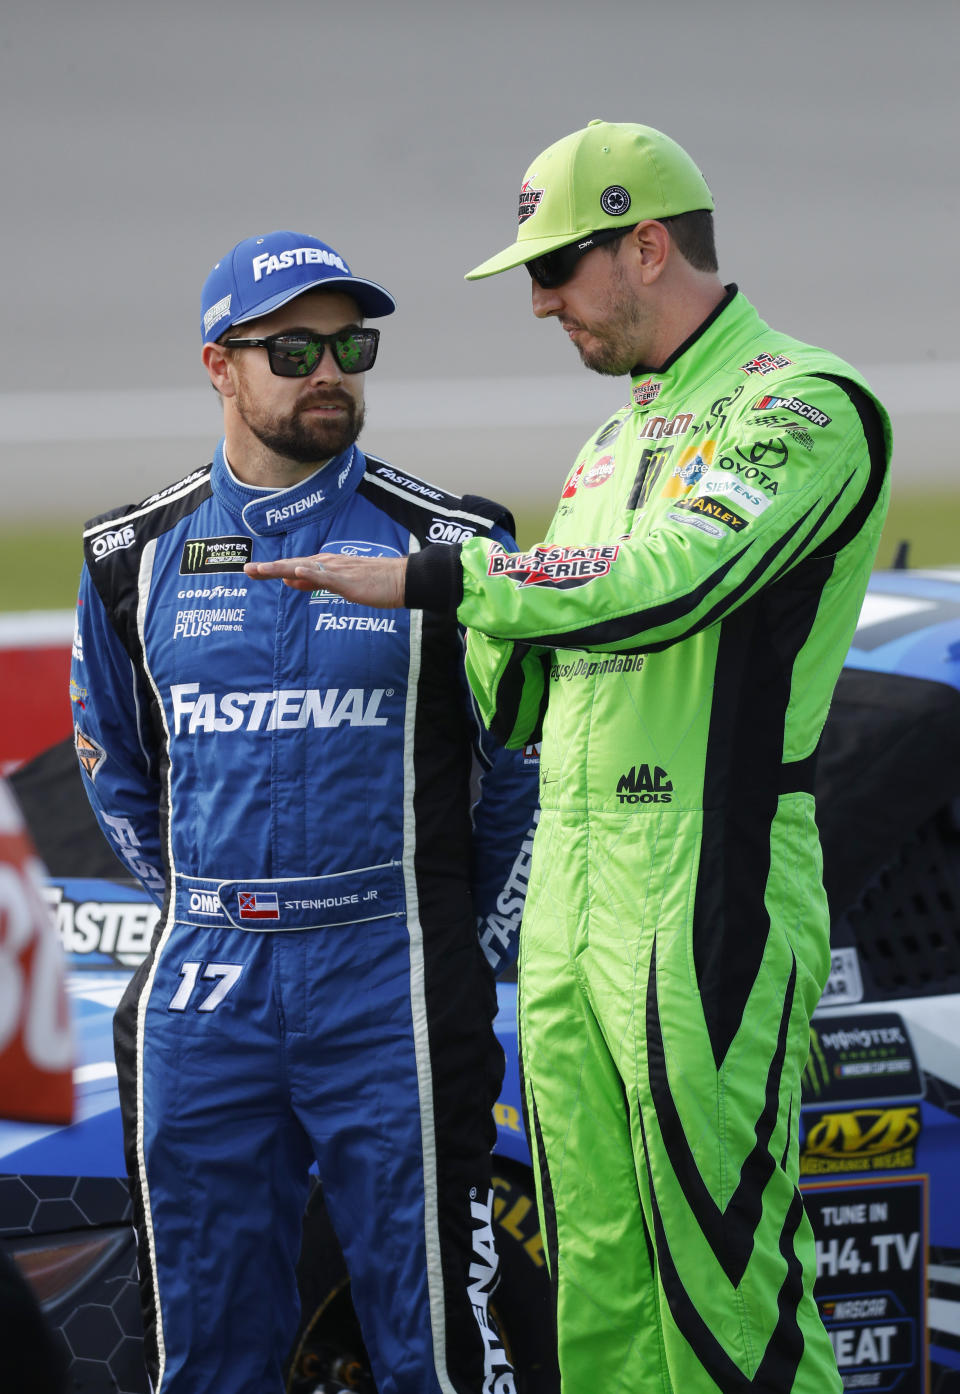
<point x="205" y="554"/>
<point x="529" y="200"/>
<point x="646" y="392"/>
<point x="560" y="567"/>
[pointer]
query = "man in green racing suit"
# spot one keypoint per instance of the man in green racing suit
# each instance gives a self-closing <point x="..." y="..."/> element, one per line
<point x="677" y="636"/>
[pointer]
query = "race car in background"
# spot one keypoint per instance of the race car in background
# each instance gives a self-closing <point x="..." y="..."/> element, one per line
<point x="880" y="1119"/>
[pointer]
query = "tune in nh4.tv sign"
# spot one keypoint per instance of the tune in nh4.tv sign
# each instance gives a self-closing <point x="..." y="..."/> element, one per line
<point x="871" y="1261"/>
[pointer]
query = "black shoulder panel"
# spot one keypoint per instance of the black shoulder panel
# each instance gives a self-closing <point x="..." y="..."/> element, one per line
<point x="430" y="513"/>
<point x="113" y="544"/>
<point x="876" y="448"/>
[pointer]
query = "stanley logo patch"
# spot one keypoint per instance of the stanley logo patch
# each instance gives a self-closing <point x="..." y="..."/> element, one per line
<point x="715" y="509"/>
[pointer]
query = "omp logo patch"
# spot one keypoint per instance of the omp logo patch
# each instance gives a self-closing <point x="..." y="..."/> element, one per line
<point x="113" y="541"/>
<point x="445" y="530"/>
<point x="205" y="903"/>
<point x="641" y="784"/>
<point x="215" y="554"/>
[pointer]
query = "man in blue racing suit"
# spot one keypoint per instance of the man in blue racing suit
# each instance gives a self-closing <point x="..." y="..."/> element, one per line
<point x="294" y="779"/>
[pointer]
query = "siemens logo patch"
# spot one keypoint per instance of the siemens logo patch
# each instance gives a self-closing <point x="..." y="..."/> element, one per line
<point x="203" y="554"/>
<point x="289" y="709"/>
<point x="265" y="265"/>
<point x="750" y="500"/>
<point x="794" y="404"/>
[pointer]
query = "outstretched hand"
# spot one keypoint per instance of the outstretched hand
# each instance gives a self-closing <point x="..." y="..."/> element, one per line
<point x="376" y="581"/>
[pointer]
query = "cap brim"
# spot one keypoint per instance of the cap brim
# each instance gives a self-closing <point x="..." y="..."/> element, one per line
<point x="520" y="252"/>
<point x="372" y="299"/>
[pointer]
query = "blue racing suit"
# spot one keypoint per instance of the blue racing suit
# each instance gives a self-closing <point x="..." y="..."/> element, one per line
<point x="303" y="785"/>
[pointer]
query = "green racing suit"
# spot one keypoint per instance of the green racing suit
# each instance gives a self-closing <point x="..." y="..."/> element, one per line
<point x="678" y="636"/>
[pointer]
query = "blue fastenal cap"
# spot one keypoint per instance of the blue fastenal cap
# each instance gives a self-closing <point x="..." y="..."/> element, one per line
<point x="263" y="273"/>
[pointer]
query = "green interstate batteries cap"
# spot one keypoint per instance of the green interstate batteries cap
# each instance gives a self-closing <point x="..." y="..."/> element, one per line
<point x="610" y="174"/>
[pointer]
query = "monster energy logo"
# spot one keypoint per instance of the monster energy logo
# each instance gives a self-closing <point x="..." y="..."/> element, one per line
<point x="867" y="1056"/>
<point x="648" y="472"/>
<point x="816" y="1072"/>
<point x="202" y="554"/>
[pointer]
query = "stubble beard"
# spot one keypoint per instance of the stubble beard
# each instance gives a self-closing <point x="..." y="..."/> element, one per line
<point x="306" y="441"/>
<point x="619" y="335"/>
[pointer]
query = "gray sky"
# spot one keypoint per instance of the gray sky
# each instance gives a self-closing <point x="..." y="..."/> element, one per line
<point x="142" y="141"/>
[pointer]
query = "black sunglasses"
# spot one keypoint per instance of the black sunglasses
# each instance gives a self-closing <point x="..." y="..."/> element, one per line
<point x="297" y="354"/>
<point x="554" y="268"/>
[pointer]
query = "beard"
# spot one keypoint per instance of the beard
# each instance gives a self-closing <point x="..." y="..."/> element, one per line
<point x="619" y="335"/>
<point x="306" y="440"/>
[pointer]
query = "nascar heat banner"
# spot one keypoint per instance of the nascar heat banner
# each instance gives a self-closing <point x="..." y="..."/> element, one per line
<point x="36" y="1043"/>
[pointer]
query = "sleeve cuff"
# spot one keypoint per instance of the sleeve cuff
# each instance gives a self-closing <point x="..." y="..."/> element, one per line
<point x="434" y="579"/>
